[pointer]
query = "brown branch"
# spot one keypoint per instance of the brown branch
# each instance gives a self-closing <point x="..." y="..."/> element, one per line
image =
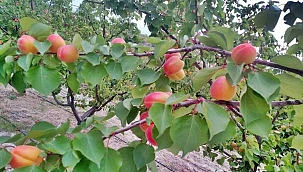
<point x="274" y="65"/>
<point x="57" y="101"/>
<point x="71" y="102"/>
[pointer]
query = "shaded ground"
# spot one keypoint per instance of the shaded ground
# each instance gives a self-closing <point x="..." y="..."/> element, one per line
<point x="19" y="113"/>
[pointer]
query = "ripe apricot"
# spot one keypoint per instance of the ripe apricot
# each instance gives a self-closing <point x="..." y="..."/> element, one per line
<point x="57" y="41"/>
<point x="173" y="65"/>
<point x="26" y="44"/>
<point x="68" y="53"/>
<point x="169" y="55"/>
<point x="177" y="76"/>
<point x="244" y="53"/>
<point x="155" y="97"/>
<point x="222" y="90"/>
<point x="144" y="125"/>
<point x="118" y="40"/>
<point x="149" y="135"/>
<point x="25" y="155"/>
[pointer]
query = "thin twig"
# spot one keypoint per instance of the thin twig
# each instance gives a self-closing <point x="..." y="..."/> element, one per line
<point x="57" y="101"/>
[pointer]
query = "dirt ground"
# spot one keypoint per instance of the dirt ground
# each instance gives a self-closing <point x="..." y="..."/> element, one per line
<point x="18" y="113"/>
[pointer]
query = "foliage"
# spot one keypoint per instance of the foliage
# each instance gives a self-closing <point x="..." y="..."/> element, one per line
<point x="261" y="128"/>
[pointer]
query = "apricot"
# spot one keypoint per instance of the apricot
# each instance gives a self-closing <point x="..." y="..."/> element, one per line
<point x="57" y="41"/>
<point x="144" y="125"/>
<point x="173" y="65"/>
<point x="244" y="53"/>
<point x="177" y="76"/>
<point x="222" y="90"/>
<point x="26" y="44"/>
<point x="149" y="135"/>
<point x="169" y="55"/>
<point x="155" y="97"/>
<point x="25" y="155"/>
<point x="68" y="53"/>
<point x="118" y="41"/>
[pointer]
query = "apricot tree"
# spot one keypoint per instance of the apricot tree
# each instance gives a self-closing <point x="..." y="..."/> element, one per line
<point x="194" y="84"/>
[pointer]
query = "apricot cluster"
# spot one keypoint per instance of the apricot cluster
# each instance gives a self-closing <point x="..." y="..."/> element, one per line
<point x="25" y="155"/>
<point x="221" y="89"/>
<point x="173" y="66"/>
<point x="149" y="100"/>
<point x="66" y="53"/>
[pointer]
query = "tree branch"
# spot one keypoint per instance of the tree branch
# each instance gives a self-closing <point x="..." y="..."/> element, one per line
<point x="274" y="65"/>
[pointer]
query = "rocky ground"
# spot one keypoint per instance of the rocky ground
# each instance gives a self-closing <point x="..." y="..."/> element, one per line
<point x="19" y="112"/>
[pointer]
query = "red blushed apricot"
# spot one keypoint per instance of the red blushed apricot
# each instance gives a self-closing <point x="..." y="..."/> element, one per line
<point x="173" y="65"/>
<point x="68" y="53"/>
<point x="244" y="53"/>
<point x="155" y="97"/>
<point x="144" y="125"/>
<point x="169" y="55"/>
<point x="25" y="155"/>
<point x="222" y="90"/>
<point x="177" y="76"/>
<point x="57" y="41"/>
<point x="118" y="40"/>
<point x="149" y="135"/>
<point x="26" y="44"/>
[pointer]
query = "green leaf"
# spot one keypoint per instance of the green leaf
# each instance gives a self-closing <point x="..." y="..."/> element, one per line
<point x="297" y="142"/>
<point x="40" y="31"/>
<point x="207" y="41"/>
<point x="183" y="111"/>
<point x="128" y="160"/>
<point x="162" y="47"/>
<point x="227" y="36"/>
<point x="93" y="74"/>
<point x="234" y="73"/>
<point x="93" y="58"/>
<point x="143" y="154"/>
<point x="289" y="85"/>
<point x="216" y="117"/>
<point x="153" y="40"/>
<point x="32" y="168"/>
<point x="292" y="33"/>
<point x="51" y="62"/>
<point x="139" y="92"/>
<point x="114" y="69"/>
<point x="298" y="118"/>
<point x="26" y="23"/>
<point x="106" y="131"/>
<point x="203" y="76"/>
<point x="5" y="47"/>
<point x="42" y="47"/>
<point x="73" y="83"/>
<point x="116" y="50"/>
<point x="97" y="40"/>
<point x="77" y="41"/>
<point x="293" y="49"/>
<point x="254" y="108"/>
<point x="5" y="158"/>
<point x="130" y="63"/>
<point x="121" y="112"/>
<point x="189" y="132"/>
<point x="87" y="47"/>
<point x="161" y="116"/>
<point x="288" y="61"/>
<point x="25" y="61"/>
<point x="225" y="135"/>
<point x="41" y="130"/>
<point x="112" y="161"/>
<point x="148" y="76"/>
<point x="268" y="18"/>
<point x="164" y="141"/>
<point x="60" y="145"/>
<point x="62" y="129"/>
<point x="263" y="83"/>
<point x="176" y="98"/>
<point x="90" y="145"/>
<point x="18" y="82"/>
<point x="70" y="159"/>
<point x="43" y="79"/>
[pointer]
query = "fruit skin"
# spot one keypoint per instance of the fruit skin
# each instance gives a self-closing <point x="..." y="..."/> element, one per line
<point x="68" y="53"/>
<point x="149" y="135"/>
<point x="169" y="55"/>
<point x="25" y="155"/>
<point x="222" y="90"/>
<point x="26" y="44"/>
<point x="118" y="41"/>
<point x="144" y="125"/>
<point x="177" y="76"/>
<point x="173" y="65"/>
<point x="244" y="53"/>
<point x="155" y="97"/>
<point x="57" y="41"/>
